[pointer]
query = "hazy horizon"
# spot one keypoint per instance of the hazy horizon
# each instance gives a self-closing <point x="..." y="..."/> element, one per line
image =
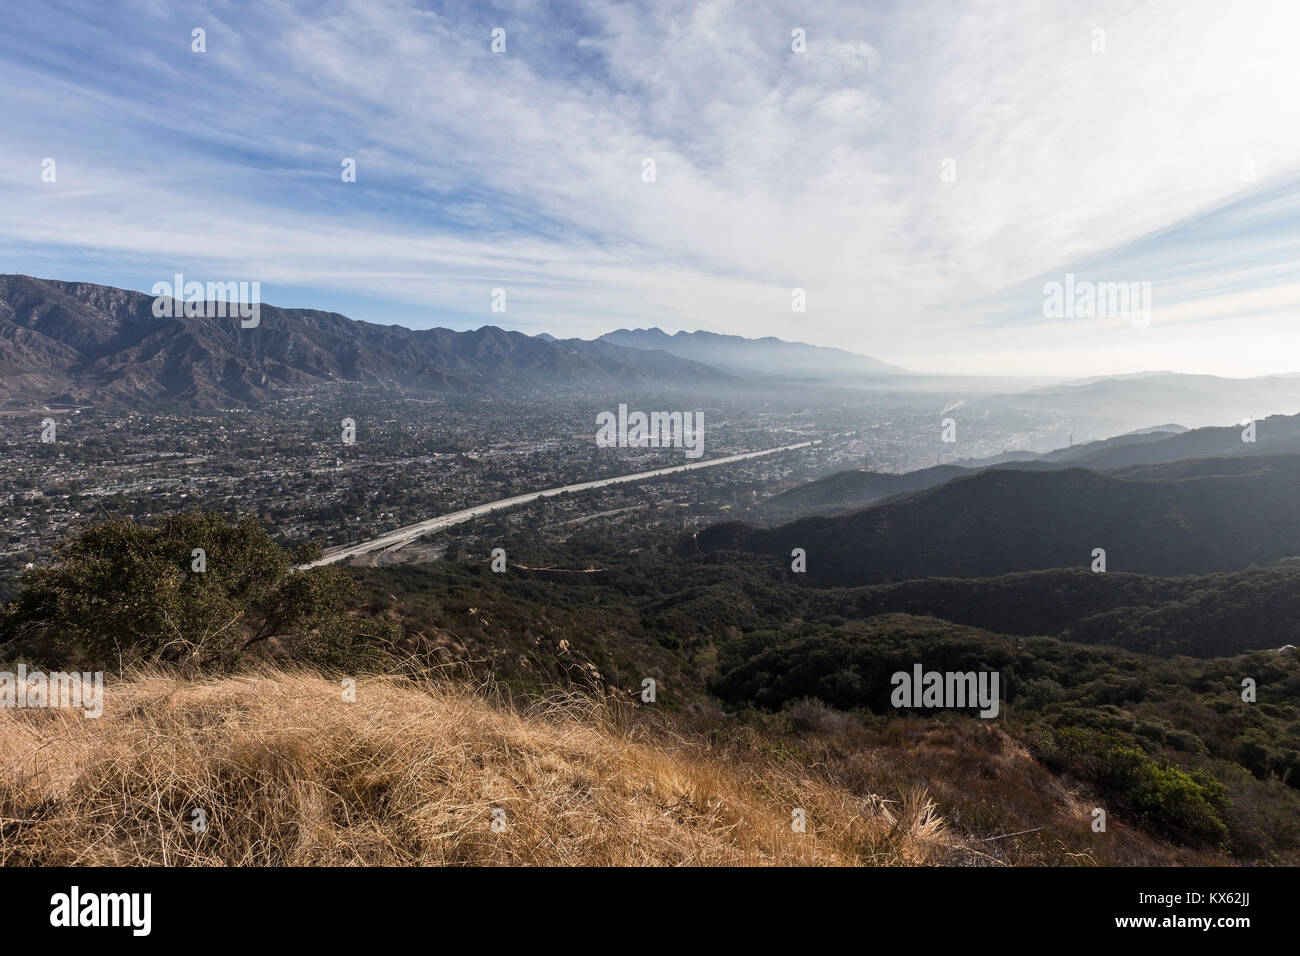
<point x="1013" y="377"/>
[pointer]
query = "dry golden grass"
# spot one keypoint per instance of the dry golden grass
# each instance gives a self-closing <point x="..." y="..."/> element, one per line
<point x="288" y="773"/>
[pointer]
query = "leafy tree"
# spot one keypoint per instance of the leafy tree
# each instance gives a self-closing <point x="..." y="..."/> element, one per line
<point x="191" y="590"/>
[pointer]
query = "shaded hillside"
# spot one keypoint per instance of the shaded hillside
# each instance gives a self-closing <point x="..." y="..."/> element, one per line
<point x="850" y="490"/>
<point x="999" y="521"/>
<point x="1275" y="435"/>
<point x="74" y="342"/>
<point x="1214" y="615"/>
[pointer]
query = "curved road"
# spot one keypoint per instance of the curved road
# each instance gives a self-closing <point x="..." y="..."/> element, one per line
<point x="404" y="536"/>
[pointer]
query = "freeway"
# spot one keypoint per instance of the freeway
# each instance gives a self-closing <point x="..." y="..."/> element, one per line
<point x="394" y="540"/>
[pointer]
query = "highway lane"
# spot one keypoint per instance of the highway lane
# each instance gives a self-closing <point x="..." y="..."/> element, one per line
<point x="394" y="540"/>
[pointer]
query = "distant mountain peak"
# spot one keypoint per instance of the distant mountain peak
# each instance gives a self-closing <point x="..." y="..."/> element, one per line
<point x="768" y="356"/>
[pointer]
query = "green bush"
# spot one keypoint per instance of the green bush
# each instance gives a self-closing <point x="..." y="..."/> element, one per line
<point x="1187" y="807"/>
<point x="124" y="593"/>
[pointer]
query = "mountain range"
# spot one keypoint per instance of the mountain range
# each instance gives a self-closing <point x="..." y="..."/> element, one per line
<point x="767" y="356"/>
<point x="1096" y="408"/>
<point x="71" y="342"/>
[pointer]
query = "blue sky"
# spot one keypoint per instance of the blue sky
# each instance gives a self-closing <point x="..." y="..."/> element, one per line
<point x="1163" y="149"/>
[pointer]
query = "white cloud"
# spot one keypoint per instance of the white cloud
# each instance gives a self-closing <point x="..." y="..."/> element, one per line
<point x="775" y="169"/>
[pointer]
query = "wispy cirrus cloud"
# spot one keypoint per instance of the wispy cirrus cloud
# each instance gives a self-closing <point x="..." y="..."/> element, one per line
<point x="1171" y="157"/>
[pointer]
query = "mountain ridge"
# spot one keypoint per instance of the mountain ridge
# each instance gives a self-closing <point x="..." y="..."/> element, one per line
<point x="765" y="356"/>
<point x="68" y="342"/>
<point x="852" y="489"/>
<point x="1196" y="516"/>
